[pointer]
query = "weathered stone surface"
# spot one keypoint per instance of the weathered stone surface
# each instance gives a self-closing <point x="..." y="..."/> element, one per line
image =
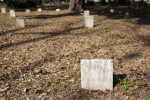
<point x="3" y="10"/>
<point x="89" y="21"/>
<point x="112" y="10"/>
<point x="57" y="9"/>
<point x="12" y="13"/>
<point x="39" y="9"/>
<point x="127" y="15"/>
<point x="20" y="23"/>
<point x="97" y="74"/>
<point x="27" y="10"/>
<point x="86" y="13"/>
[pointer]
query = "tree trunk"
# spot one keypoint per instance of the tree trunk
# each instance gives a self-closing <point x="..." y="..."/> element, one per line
<point x="76" y="5"/>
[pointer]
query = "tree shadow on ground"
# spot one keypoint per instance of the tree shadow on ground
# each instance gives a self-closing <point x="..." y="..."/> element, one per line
<point x="52" y="16"/>
<point x="132" y="56"/>
<point x="18" y="29"/>
<point x="15" y="73"/>
<point x="48" y="35"/>
<point x="142" y="14"/>
<point x="145" y="39"/>
<point x="117" y="78"/>
<point x="51" y="7"/>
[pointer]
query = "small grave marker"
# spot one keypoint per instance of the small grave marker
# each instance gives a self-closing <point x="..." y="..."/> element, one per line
<point x="12" y="13"/>
<point x="3" y="10"/>
<point x="86" y="13"/>
<point x="20" y="23"/>
<point x="89" y="21"/>
<point x="39" y="9"/>
<point x="112" y="10"/>
<point x="27" y="10"/>
<point x="57" y="9"/>
<point x="127" y="15"/>
<point x="97" y="74"/>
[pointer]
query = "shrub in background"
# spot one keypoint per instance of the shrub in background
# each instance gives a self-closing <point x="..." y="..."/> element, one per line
<point x="90" y="3"/>
<point x="21" y="3"/>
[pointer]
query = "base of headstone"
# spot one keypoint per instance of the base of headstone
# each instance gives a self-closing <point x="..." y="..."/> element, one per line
<point x="27" y="10"/>
<point x="39" y="9"/>
<point x="89" y="21"/>
<point x="57" y="9"/>
<point x="20" y="23"/>
<point x="97" y="74"/>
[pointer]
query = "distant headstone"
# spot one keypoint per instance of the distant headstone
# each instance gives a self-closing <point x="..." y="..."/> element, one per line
<point x="27" y="10"/>
<point x="3" y="10"/>
<point x="20" y="23"/>
<point x="12" y="13"/>
<point x="127" y="15"/>
<point x="89" y="21"/>
<point x="57" y="9"/>
<point x="86" y="13"/>
<point x="39" y="9"/>
<point x="97" y="74"/>
<point x="112" y="10"/>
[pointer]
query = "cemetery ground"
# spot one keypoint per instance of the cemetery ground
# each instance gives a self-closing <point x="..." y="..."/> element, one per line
<point x="42" y="60"/>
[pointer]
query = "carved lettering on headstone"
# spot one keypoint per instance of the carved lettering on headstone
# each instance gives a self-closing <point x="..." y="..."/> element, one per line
<point x="3" y="10"/>
<point x="89" y="21"/>
<point x="97" y="74"/>
<point x="12" y="13"/>
<point x="20" y="23"/>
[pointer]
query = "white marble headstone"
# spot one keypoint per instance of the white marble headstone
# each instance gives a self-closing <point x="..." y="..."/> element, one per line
<point x="112" y="10"/>
<point x="20" y="23"/>
<point x="89" y="21"/>
<point x="57" y="9"/>
<point x="39" y="9"/>
<point x="3" y="10"/>
<point x="12" y="13"/>
<point x="27" y="10"/>
<point x="86" y="13"/>
<point x="97" y="74"/>
<point x="127" y="15"/>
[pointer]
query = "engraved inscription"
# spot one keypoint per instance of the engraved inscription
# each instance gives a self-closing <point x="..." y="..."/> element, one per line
<point x="97" y="74"/>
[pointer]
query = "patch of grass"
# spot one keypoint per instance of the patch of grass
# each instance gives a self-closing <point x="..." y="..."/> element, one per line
<point x="125" y="83"/>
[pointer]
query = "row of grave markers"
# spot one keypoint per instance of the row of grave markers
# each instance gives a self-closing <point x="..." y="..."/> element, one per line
<point x="3" y="10"/>
<point x="96" y="74"/>
<point x="89" y="20"/>
<point x="20" y="22"/>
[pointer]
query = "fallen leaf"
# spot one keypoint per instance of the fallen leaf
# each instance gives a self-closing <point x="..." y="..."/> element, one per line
<point x="4" y="89"/>
<point x="133" y="98"/>
<point x="144" y="83"/>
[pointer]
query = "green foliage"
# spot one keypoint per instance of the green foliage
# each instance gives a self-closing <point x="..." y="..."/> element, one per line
<point x="118" y="2"/>
<point x="125" y="83"/>
<point x="30" y="3"/>
<point x="90" y="3"/>
<point x="21" y="3"/>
